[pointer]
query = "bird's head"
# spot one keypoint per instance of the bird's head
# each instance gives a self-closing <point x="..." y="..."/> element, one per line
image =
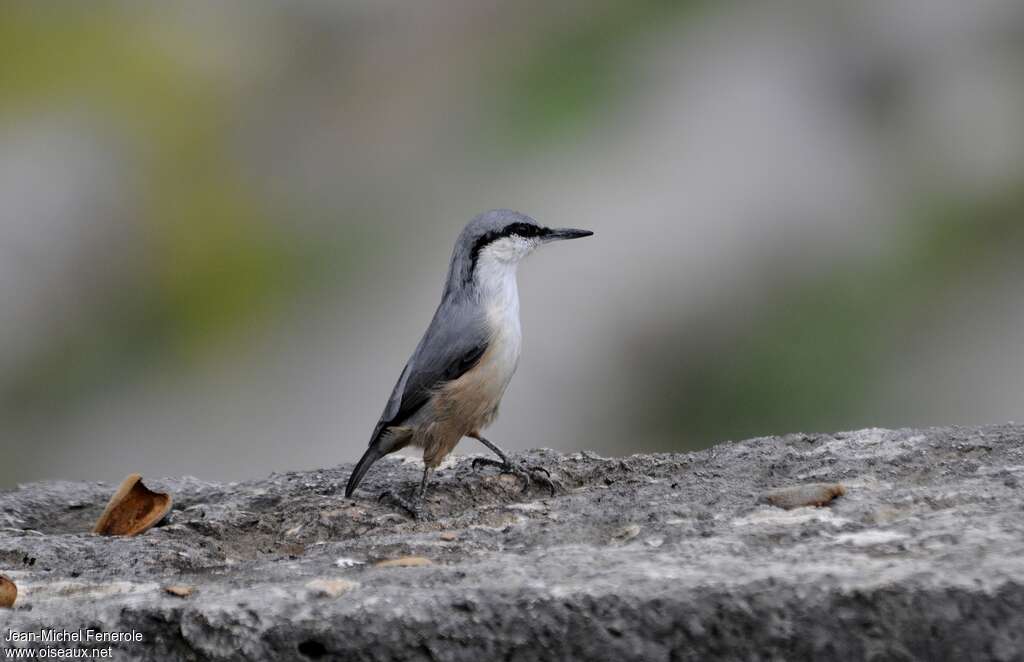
<point x="506" y="237"/>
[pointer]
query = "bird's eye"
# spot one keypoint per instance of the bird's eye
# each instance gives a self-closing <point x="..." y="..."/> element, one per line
<point x="524" y="230"/>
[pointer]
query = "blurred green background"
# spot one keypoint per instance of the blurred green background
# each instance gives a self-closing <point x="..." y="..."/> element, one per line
<point x="223" y="226"/>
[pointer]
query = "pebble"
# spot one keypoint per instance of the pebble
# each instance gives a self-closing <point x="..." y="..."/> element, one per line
<point x="404" y="562"/>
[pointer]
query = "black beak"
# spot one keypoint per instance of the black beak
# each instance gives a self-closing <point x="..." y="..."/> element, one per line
<point x="566" y="233"/>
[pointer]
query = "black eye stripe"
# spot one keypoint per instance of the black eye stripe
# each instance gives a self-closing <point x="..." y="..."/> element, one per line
<point x="524" y="230"/>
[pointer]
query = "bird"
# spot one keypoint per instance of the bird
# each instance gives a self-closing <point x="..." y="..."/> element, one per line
<point x="453" y="384"/>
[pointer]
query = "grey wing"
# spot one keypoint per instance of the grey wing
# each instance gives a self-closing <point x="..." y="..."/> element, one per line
<point x="454" y="342"/>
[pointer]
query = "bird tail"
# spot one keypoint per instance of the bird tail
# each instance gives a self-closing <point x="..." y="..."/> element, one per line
<point x="372" y="454"/>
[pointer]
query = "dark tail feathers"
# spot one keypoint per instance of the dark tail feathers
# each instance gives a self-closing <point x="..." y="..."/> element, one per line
<point x="372" y="454"/>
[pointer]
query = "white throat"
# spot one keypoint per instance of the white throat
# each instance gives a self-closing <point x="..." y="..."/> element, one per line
<point x="499" y="294"/>
<point x="496" y="273"/>
<point x="497" y="286"/>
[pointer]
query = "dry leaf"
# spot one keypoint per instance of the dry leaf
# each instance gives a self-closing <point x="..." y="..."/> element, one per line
<point x="133" y="509"/>
<point x="8" y="592"/>
<point x="449" y="536"/>
<point x="178" y="591"/>
<point x="330" y="588"/>
<point x="812" y="494"/>
<point x="405" y="562"/>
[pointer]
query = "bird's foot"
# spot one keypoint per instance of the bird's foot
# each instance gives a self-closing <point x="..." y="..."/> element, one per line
<point x="412" y="506"/>
<point x="528" y="474"/>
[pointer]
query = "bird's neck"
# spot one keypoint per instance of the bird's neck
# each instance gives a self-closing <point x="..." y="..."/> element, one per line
<point x="496" y="286"/>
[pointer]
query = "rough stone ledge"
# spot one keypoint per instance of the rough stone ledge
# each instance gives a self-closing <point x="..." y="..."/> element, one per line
<point x="647" y="557"/>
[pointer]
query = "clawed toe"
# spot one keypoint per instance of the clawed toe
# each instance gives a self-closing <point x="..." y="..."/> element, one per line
<point x="528" y="474"/>
<point x="542" y="476"/>
<point x="487" y="462"/>
<point x="532" y="475"/>
<point x="413" y="507"/>
<point x="548" y="483"/>
<point x="524" y="475"/>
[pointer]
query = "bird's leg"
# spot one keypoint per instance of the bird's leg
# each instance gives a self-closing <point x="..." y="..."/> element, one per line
<point x="497" y="451"/>
<point x="528" y="474"/>
<point x="413" y="506"/>
<point x="505" y="463"/>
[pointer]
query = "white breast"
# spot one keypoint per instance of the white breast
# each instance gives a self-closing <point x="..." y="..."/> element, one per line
<point x="496" y="279"/>
<point x="506" y="344"/>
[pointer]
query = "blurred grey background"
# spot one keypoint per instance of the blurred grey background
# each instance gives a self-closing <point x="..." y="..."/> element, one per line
<point x="223" y="226"/>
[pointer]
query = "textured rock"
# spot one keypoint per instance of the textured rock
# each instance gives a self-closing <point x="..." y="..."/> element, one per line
<point x="647" y="557"/>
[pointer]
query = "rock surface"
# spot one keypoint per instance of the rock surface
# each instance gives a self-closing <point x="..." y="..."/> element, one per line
<point x="651" y="557"/>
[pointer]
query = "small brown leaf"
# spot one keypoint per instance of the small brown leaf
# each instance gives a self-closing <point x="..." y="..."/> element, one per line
<point x="449" y="536"/>
<point x="797" y="496"/>
<point x="133" y="509"/>
<point x="330" y="588"/>
<point x="178" y="590"/>
<point x="404" y="562"/>
<point x="8" y="592"/>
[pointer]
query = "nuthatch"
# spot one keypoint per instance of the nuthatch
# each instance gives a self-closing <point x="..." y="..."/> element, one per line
<point x="454" y="382"/>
